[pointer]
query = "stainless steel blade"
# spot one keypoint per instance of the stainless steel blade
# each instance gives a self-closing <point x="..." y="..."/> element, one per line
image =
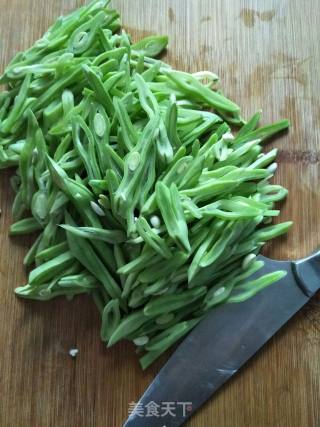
<point x="215" y="350"/>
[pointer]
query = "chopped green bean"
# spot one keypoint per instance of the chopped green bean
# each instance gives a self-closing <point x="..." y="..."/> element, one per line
<point x="151" y="193"/>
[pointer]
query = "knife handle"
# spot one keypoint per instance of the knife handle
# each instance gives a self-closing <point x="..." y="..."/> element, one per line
<point x="307" y="272"/>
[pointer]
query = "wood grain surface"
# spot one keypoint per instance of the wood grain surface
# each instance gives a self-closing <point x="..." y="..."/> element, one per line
<point x="267" y="54"/>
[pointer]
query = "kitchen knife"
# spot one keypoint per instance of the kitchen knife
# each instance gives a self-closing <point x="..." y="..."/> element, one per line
<point x="222" y="342"/>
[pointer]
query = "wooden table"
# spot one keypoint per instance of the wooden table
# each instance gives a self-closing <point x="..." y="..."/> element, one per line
<point x="267" y="55"/>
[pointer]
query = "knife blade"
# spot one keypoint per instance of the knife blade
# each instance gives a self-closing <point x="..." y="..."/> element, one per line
<point x="223" y="342"/>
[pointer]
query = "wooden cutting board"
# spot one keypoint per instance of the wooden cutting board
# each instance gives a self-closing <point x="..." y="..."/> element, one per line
<point x="267" y="55"/>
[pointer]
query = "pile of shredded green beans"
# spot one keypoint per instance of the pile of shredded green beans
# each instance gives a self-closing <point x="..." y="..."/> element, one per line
<point x="144" y="194"/>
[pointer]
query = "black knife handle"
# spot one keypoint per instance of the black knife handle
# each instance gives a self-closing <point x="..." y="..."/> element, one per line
<point x="307" y="272"/>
